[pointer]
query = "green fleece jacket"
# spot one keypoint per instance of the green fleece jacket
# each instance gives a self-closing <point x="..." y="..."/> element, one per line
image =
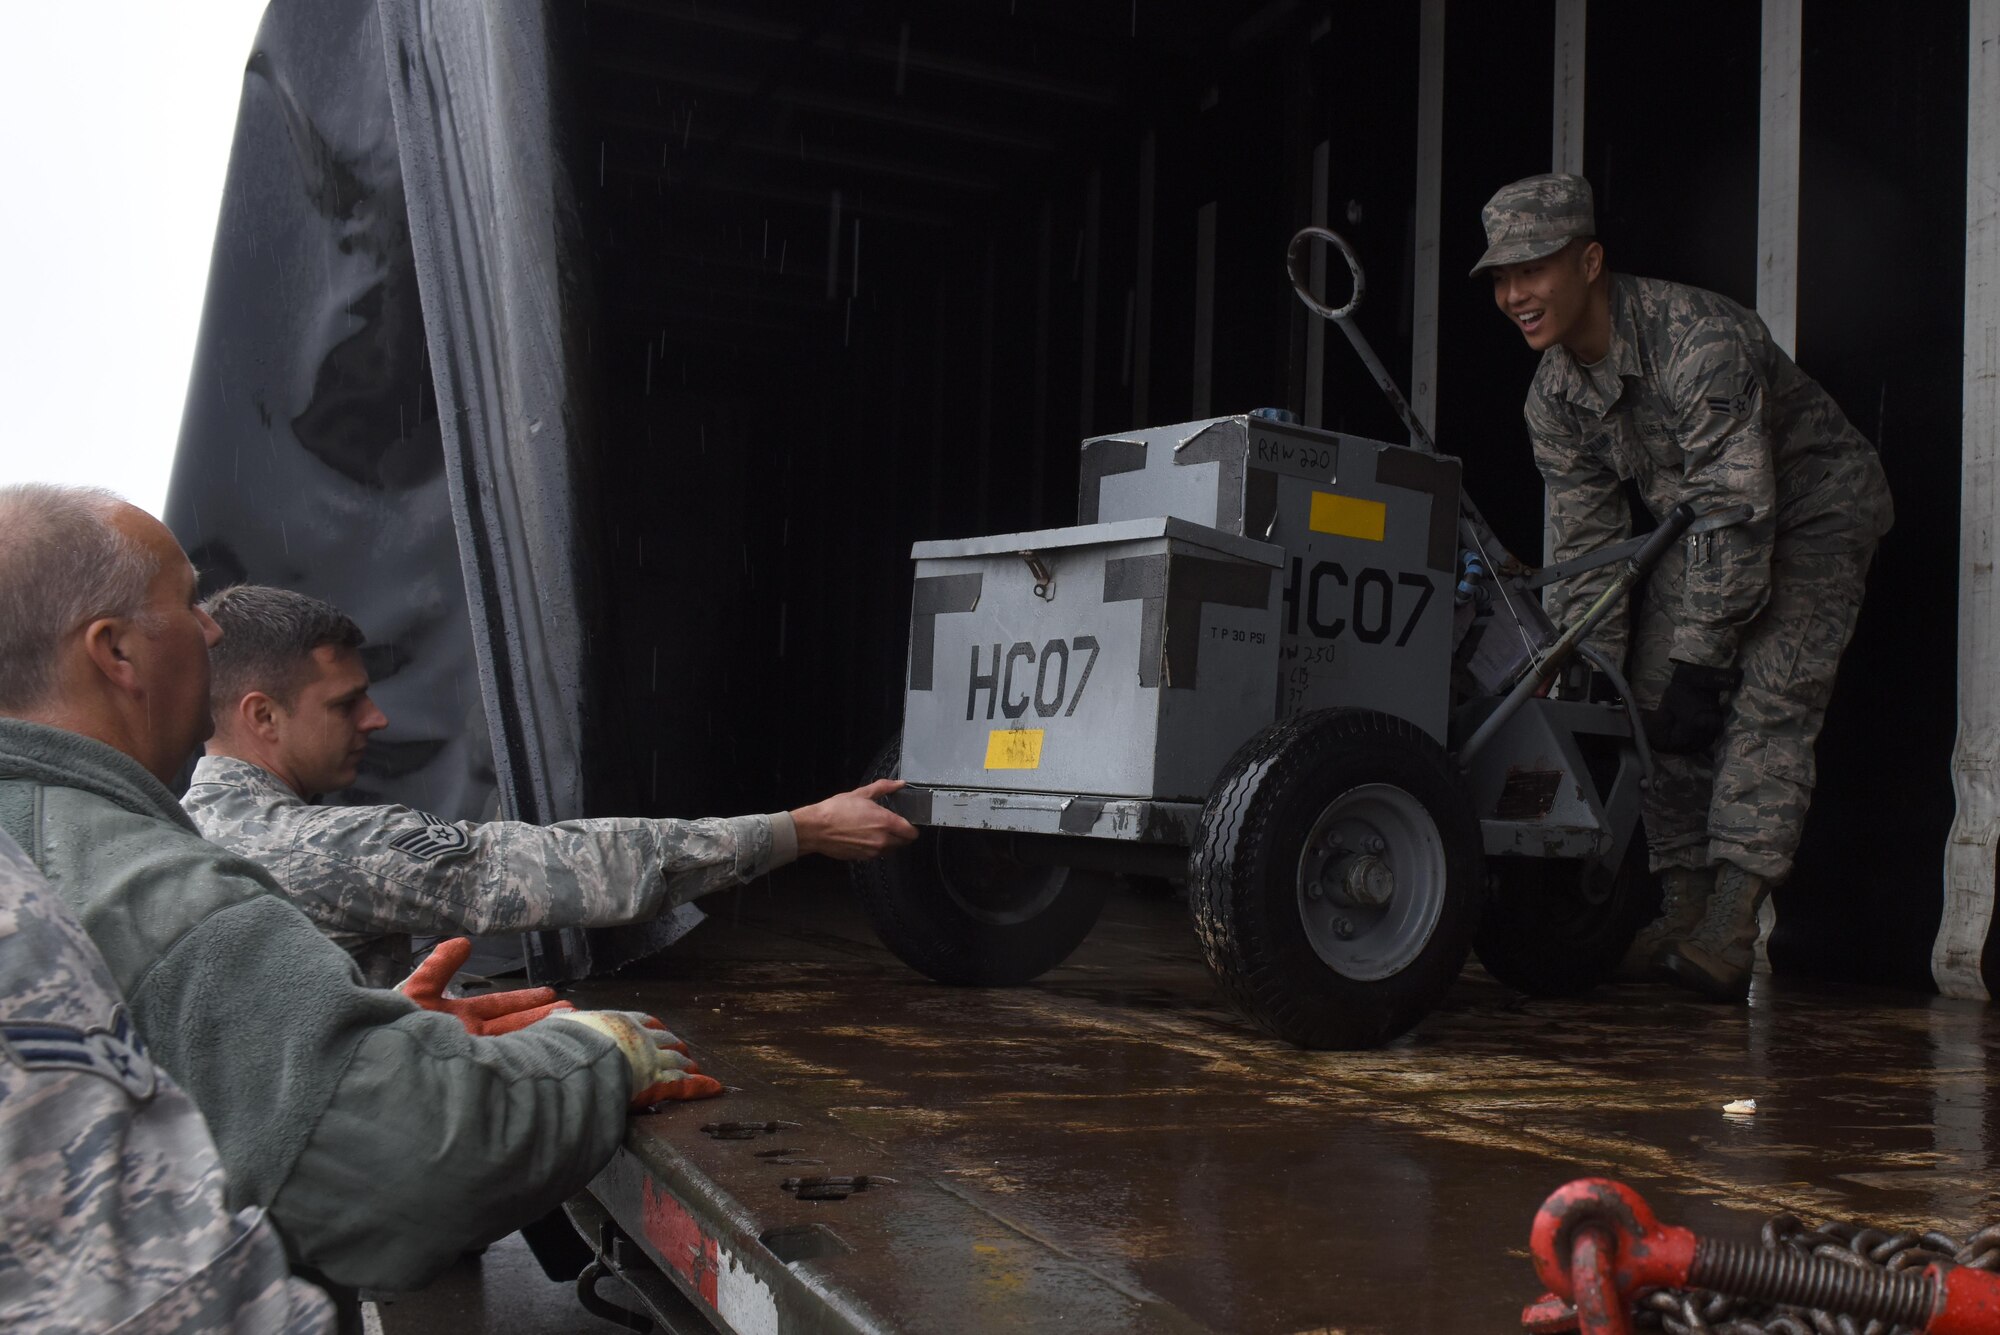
<point x="383" y="1140"/>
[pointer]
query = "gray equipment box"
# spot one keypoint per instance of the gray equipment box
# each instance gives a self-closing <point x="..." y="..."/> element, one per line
<point x="1124" y="659"/>
<point x="1370" y="537"/>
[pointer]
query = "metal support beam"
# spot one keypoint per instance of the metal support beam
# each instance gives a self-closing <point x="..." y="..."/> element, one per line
<point x="1778" y="229"/>
<point x="1315" y="404"/>
<point x="1142" y="287"/>
<point x="832" y="245"/>
<point x="1566" y="139"/>
<point x="1778" y="174"/>
<point x="896" y="115"/>
<point x="899" y="54"/>
<point x="989" y="296"/>
<point x="1430" y="173"/>
<point x="1203" y="376"/>
<point x="1044" y="245"/>
<point x="700" y="144"/>
<point x="1969" y="861"/>
<point x="1093" y="212"/>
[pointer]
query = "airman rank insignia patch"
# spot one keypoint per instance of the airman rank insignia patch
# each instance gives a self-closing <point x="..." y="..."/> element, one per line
<point x="1735" y="405"/>
<point x="114" y="1052"/>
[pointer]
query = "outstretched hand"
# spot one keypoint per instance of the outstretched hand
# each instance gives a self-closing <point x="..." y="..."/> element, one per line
<point x="853" y="826"/>
<point x="493" y="1013"/>
<point x="661" y="1069"/>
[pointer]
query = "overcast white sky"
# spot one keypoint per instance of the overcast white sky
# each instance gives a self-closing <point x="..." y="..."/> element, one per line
<point x="115" y="121"/>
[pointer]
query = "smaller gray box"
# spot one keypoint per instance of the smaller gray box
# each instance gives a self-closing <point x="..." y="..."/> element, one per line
<point x="1125" y="659"/>
<point x="1370" y="536"/>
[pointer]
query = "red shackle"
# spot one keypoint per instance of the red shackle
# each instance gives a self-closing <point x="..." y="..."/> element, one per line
<point x="1633" y="1247"/>
<point x="1597" y="1244"/>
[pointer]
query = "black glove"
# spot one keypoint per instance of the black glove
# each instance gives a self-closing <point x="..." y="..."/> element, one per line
<point x="1691" y="713"/>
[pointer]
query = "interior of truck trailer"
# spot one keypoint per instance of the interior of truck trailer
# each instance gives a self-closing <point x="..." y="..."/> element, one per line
<point x="607" y="358"/>
<point x="865" y="276"/>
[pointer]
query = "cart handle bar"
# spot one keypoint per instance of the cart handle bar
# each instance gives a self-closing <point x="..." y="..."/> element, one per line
<point x="1536" y="677"/>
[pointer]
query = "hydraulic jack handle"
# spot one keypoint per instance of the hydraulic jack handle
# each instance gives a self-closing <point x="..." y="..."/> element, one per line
<point x="1597" y="1245"/>
<point x="1298" y="266"/>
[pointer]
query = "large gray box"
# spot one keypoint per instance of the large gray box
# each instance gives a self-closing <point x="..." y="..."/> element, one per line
<point x="1123" y="659"/>
<point x="1370" y="536"/>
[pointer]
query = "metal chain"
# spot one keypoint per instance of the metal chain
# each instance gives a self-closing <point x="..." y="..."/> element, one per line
<point x="1698" y="1312"/>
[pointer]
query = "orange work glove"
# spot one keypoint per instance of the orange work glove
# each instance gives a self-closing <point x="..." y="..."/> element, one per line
<point x="661" y="1035"/>
<point x="494" y="1013"/>
<point x="661" y="1068"/>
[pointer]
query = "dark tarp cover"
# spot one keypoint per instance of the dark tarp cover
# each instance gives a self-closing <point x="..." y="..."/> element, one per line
<point x="375" y="230"/>
<point x="309" y="454"/>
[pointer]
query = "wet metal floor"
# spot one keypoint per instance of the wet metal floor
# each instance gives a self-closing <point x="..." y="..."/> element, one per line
<point x="1122" y="1116"/>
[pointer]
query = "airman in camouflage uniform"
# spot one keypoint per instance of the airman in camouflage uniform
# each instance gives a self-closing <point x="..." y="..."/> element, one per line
<point x="1684" y="394"/>
<point x="372" y="876"/>
<point x="109" y="1183"/>
<point x="383" y="1139"/>
<point x="292" y="719"/>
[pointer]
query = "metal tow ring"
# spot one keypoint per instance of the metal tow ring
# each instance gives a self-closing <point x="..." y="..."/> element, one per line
<point x="1297" y="255"/>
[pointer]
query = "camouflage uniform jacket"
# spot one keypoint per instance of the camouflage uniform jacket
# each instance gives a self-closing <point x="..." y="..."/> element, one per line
<point x="363" y="872"/>
<point x="110" y="1189"/>
<point x="383" y="1140"/>
<point x="1712" y="412"/>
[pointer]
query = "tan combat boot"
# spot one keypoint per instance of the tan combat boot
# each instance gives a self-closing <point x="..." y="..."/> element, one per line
<point x="1717" y="957"/>
<point x="1684" y="895"/>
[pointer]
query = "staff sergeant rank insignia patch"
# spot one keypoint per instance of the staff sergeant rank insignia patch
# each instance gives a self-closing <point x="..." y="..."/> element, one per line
<point x="115" y="1052"/>
<point x="433" y="842"/>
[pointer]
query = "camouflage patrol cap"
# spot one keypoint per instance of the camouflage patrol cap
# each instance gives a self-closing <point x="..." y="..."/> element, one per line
<point x="1534" y="218"/>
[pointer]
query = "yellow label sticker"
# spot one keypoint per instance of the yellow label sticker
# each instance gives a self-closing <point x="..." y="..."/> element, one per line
<point x="1348" y="516"/>
<point x="1014" y="748"/>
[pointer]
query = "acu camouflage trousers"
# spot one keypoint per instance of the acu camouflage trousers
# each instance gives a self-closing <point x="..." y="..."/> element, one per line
<point x="1746" y="802"/>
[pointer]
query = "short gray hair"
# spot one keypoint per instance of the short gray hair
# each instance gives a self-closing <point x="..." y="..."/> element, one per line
<point x="268" y="636"/>
<point x="62" y="566"/>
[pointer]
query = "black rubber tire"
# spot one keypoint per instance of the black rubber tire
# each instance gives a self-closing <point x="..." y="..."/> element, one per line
<point x="1545" y="935"/>
<point x="1244" y="877"/>
<point x="923" y="901"/>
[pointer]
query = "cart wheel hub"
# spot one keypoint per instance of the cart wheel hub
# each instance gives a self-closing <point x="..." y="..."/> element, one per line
<point x="1371" y="881"/>
<point x="1367" y="882"/>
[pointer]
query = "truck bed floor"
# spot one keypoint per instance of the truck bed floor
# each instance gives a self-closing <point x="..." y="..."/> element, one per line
<point x="1112" y="1148"/>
